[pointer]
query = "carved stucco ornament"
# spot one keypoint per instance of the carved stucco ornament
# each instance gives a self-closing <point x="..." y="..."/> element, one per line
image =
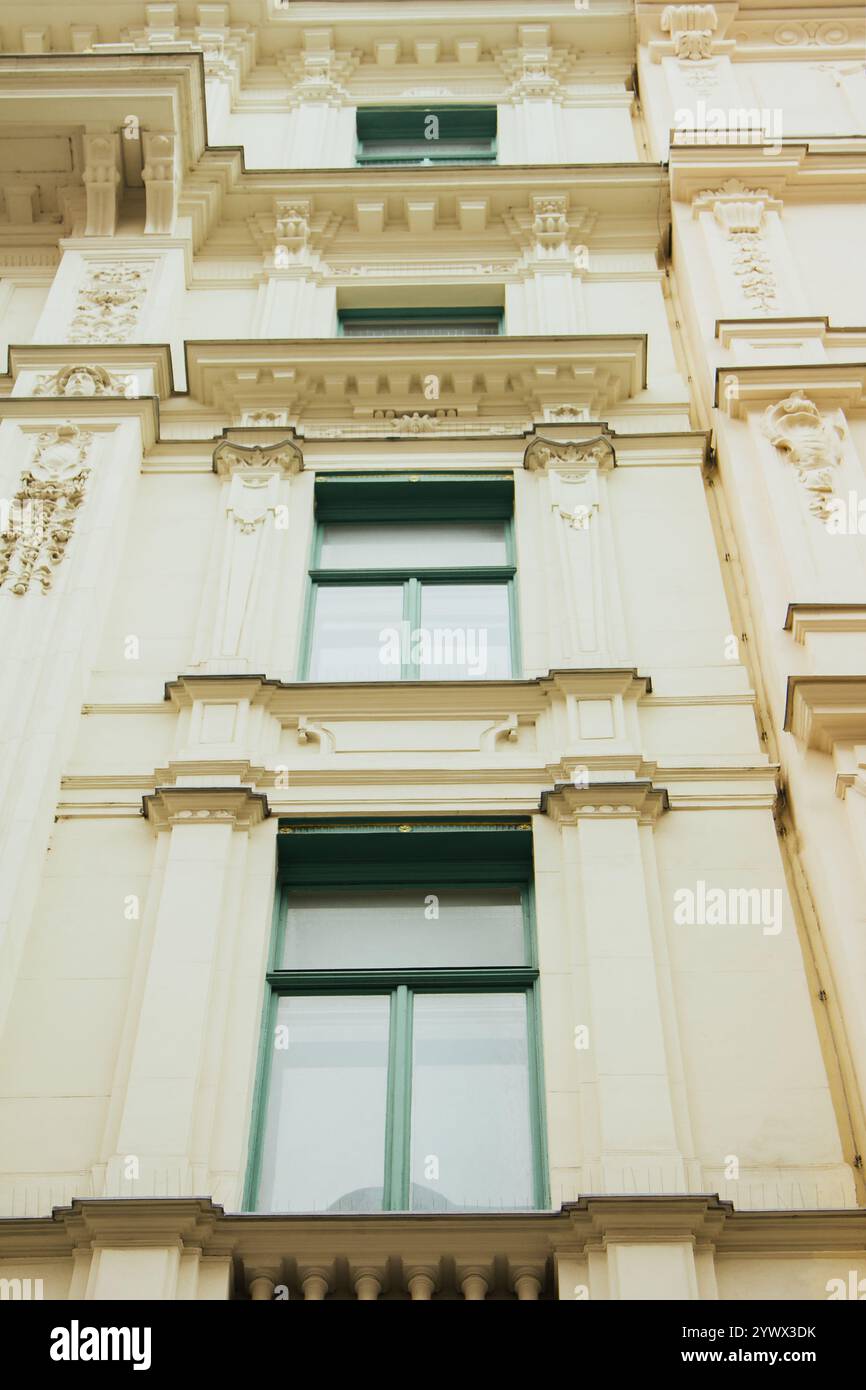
<point x="284" y="457"/>
<point x="741" y="213"/>
<point x="43" y="511"/>
<point x="594" y="453"/>
<point x="109" y="304"/>
<point x="796" y="427"/>
<point x="81" y="380"/>
<point x="691" y="28"/>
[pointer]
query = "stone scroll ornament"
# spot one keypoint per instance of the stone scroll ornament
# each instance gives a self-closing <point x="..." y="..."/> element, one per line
<point x="109" y="304"/>
<point x="796" y="427"/>
<point x="43" y="511"/>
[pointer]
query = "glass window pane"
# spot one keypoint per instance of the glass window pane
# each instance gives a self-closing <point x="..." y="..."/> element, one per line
<point x="471" y="1137"/>
<point x="464" y="633"/>
<point x="402" y="928"/>
<point x="412" y="545"/>
<point x="448" y="326"/>
<point x="324" y="1143"/>
<point x="356" y="632"/>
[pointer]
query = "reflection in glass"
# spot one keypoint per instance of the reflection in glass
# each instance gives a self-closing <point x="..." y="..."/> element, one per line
<point x="471" y="1144"/>
<point x="465" y="631"/>
<point x="401" y="928"/>
<point x="412" y="544"/>
<point x="349" y="621"/>
<point x="324" y="1141"/>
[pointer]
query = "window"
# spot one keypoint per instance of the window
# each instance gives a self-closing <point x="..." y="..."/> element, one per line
<point x="420" y="323"/>
<point x="411" y="580"/>
<point x="426" y="135"/>
<point x="400" y="1058"/>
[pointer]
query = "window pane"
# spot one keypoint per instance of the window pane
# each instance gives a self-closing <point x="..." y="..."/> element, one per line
<point x="402" y="928"/>
<point x="422" y="326"/>
<point x="464" y="633"/>
<point x="471" y="1139"/>
<point x="412" y="545"/>
<point x="356" y="633"/>
<point x="324" y="1145"/>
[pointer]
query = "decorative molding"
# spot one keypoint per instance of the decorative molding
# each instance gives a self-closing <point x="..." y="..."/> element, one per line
<point x="109" y="303"/>
<point x="81" y="379"/>
<point x="741" y="213"/>
<point x="638" y="800"/>
<point x="240" y="807"/>
<point x="796" y="427"/>
<point x="584" y="456"/>
<point x="102" y="181"/>
<point x="549" y="229"/>
<point x="160" y="176"/>
<point x="536" y="71"/>
<point x="292" y="235"/>
<point x="284" y="458"/>
<point x="320" y="72"/>
<point x="308" y="730"/>
<point x="825" y="710"/>
<point x="43" y="511"/>
<point x="506" y="729"/>
<point x="691" y="28"/>
<point x="735" y="206"/>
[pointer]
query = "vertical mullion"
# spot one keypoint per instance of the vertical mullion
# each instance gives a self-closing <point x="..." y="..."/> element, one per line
<point x="412" y="616"/>
<point x="396" y="1196"/>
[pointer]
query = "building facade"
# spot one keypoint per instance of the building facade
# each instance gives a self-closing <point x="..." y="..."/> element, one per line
<point x="432" y="830"/>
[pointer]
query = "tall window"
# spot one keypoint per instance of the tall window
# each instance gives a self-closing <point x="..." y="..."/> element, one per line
<point x="426" y="135"/>
<point x="400" y="1061"/>
<point x="411" y="580"/>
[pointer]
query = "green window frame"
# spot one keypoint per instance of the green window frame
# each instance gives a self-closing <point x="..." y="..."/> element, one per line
<point x="394" y="135"/>
<point x="379" y="855"/>
<point x="393" y="499"/>
<point x="448" y="321"/>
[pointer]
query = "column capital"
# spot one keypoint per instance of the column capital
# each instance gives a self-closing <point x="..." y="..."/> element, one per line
<point x="637" y="800"/>
<point x="569" y="456"/>
<point x="284" y="458"/>
<point x="240" y="807"/>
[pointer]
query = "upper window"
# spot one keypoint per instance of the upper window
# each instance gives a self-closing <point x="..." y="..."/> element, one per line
<point x="401" y="1063"/>
<point x="440" y="322"/>
<point x="411" y="580"/>
<point x="427" y="135"/>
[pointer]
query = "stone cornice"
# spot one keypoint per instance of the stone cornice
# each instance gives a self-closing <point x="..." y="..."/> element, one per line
<point x="240" y="807"/>
<point x="802" y="618"/>
<point x="362" y="374"/>
<point x="589" y="1223"/>
<point x="117" y="358"/>
<point x="638" y="800"/>
<point x="799" y="170"/>
<point x="825" y="710"/>
<point x="409" y="699"/>
<point x="739" y="389"/>
<point x="99" y="411"/>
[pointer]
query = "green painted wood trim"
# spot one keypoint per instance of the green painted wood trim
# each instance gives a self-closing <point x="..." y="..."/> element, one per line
<point x="412" y="497"/>
<point x="455" y="979"/>
<point x="399" y="1110"/>
<point x="408" y="122"/>
<point x="403" y="985"/>
<point x="444" y="314"/>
